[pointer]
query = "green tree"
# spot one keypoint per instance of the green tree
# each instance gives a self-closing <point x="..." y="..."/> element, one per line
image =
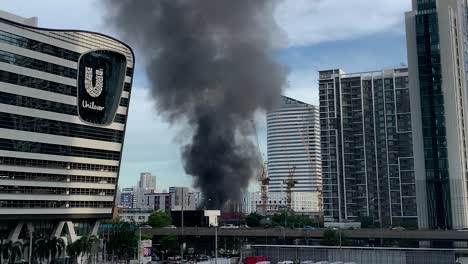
<point x="253" y="220"/>
<point x="123" y="240"/>
<point x="280" y="219"/>
<point x="332" y="238"/>
<point x="159" y="219"/>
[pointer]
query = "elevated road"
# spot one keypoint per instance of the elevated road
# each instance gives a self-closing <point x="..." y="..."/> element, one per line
<point x="318" y="233"/>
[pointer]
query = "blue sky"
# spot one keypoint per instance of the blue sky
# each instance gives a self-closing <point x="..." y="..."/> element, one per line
<point x="355" y="35"/>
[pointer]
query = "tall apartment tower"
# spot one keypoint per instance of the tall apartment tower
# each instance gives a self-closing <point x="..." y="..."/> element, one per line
<point x="437" y="35"/>
<point x="366" y="145"/>
<point x="293" y="140"/>
<point x="147" y="182"/>
<point x="64" y="98"/>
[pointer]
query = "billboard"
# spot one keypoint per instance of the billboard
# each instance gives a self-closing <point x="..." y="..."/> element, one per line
<point x="101" y="76"/>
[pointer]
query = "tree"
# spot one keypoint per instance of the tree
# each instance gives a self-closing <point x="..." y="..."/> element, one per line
<point x="40" y="249"/>
<point x="253" y="220"/>
<point x="10" y="251"/>
<point x="159" y="219"/>
<point x="334" y="238"/>
<point x="56" y="248"/>
<point x="123" y="240"/>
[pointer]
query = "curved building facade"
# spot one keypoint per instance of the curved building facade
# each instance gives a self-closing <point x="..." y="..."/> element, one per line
<point x="64" y="99"/>
<point x="293" y="140"/>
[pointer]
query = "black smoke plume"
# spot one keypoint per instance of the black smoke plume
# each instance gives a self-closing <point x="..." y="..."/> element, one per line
<point x="211" y="66"/>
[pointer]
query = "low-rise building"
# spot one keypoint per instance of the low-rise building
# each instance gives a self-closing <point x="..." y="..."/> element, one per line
<point x="157" y="201"/>
<point x="301" y="202"/>
<point x="130" y="215"/>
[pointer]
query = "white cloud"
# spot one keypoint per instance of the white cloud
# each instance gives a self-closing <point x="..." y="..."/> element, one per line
<point x="308" y="22"/>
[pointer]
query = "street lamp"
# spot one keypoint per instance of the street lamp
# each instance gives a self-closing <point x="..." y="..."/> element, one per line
<point x="139" y="245"/>
<point x="213" y="221"/>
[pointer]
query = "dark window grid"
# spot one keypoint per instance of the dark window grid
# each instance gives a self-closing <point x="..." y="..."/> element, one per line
<point x="35" y="103"/>
<point x="39" y="65"/>
<point x="124" y="102"/>
<point x="40" y="125"/>
<point x="53" y="190"/>
<point x="129" y="71"/>
<point x="54" y="149"/>
<point x="38" y="46"/>
<point x="52" y="204"/>
<point x="33" y="176"/>
<point x="56" y="107"/>
<point x="31" y="82"/>
<point x="45" y="48"/>
<point x="127" y="87"/>
<point x="55" y="164"/>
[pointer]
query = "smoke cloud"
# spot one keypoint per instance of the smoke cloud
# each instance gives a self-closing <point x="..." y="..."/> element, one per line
<point x="211" y="66"/>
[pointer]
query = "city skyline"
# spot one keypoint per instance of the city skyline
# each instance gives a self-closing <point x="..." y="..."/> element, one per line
<point x="150" y="147"/>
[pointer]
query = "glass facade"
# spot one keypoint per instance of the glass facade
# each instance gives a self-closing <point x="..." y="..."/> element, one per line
<point x="433" y="115"/>
<point x="366" y="143"/>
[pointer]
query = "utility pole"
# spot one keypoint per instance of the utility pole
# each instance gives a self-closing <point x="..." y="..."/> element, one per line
<point x="216" y="244"/>
<point x="139" y="245"/>
<point x="182" y="225"/>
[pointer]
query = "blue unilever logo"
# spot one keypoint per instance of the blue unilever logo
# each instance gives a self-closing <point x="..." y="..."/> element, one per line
<point x="101" y="76"/>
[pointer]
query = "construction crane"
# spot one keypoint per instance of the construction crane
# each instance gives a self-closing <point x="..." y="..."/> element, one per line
<point x="264" y="179"/>
<point x="290" y="183"/>
<point x="311" y="160"/>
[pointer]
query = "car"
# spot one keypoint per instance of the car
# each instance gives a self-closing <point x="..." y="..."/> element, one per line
<point x="244" y="226"/>
<point x="400" y="228"/>
<point x="307" y="228"/>
<point x="146" y="226"/>
<point x="229" y="226"/>
<point x="170" y="226"/>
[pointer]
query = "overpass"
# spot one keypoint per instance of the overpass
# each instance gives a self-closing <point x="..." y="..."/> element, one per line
<point x="422" y="235"/>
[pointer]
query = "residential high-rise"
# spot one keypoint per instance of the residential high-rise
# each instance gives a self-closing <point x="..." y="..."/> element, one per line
<point x="366" y="145"/>
<point x="64" y="98"/>
<point x="437" y="35"/>
<point x="147" y="181"/>
<point x="293" y="141"/>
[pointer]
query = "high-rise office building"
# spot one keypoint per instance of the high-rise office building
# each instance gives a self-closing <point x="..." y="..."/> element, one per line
<point x="366" y="145"/>
<point x="64" y="98"/>
<point x="437" y="35"/>
<point x="293" y="144"/>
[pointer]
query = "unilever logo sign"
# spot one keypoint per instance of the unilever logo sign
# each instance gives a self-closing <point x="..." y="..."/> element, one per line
<point x="101" y="75"/>
<point x="94" y="90"/>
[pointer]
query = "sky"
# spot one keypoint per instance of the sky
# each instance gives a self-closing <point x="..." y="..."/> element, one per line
<point x="354" y="35"/>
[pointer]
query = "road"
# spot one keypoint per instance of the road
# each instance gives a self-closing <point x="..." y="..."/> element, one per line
<point x="299" y="233"/>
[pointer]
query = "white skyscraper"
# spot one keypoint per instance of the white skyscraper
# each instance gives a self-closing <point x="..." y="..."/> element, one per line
<point x="293" y="141"/>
